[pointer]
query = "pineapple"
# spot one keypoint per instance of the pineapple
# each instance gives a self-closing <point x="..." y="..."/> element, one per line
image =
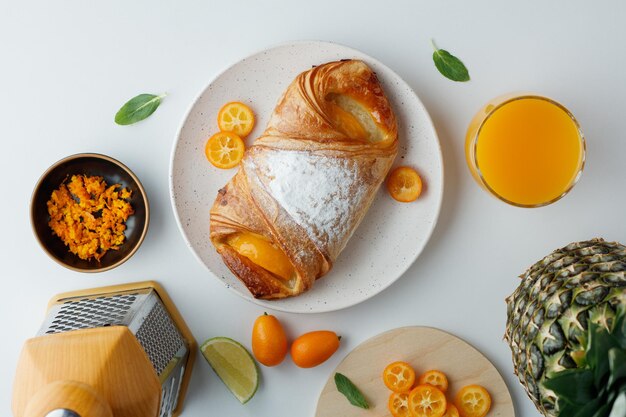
<point x="566" y="307"/>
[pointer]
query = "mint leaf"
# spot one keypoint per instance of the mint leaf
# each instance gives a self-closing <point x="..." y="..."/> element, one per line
<point x="138" y="108"/>
<point x="448" y="65"/>
<point x="352" y="393"/>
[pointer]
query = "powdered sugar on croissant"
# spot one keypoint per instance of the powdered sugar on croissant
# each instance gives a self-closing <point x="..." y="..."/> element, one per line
<point x="307" y="182"/>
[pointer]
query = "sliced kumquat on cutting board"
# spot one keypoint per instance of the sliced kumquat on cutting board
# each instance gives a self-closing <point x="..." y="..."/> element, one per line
<point x="473" y="401"/>
<point x="399" y="376"/>
<point x="399" y="404"/>
<point x="404" y="184"/>
<point x="451" y="411"/>
<point x="236" y="117"/>
<point x="435" y="378"/>
<point x="224" y="150"/>
<point x="427" y="401"/>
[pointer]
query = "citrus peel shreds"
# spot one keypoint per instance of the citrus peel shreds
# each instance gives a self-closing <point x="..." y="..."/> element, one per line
<point x="89" y="216"/>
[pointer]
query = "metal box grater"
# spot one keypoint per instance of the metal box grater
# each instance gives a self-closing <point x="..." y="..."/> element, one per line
<point x="140" y="308"/>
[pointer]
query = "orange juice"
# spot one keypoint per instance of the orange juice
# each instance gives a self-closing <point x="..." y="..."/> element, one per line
<point x="526" y="150"/>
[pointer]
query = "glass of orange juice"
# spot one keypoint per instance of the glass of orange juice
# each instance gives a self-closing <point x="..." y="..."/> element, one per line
<point x="525" y="149"/>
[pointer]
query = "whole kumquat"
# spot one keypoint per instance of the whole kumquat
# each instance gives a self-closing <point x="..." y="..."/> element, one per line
<point x="311" y="349"/>
<point x="269" y="342"/>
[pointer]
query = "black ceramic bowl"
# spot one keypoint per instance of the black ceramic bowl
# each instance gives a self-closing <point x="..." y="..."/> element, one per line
<point x="113" y="172"/>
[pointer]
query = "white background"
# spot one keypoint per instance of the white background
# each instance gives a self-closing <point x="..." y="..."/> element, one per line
<point x="67" y="66"/>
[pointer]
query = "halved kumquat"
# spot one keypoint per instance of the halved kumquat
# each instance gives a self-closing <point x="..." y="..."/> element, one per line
<point x="399" y="376"/>
<point x="427" y="401"/>
<point x="473" y="401"/>
<point x="236" y="117"/>
<point x="435" y="378"/>
<point x="224" y="149"/>
<point x="399" y="404"/>
<point x="404" y="184"/>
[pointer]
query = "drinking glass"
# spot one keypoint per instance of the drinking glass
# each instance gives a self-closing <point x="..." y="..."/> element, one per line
<point x="525" y="149"/>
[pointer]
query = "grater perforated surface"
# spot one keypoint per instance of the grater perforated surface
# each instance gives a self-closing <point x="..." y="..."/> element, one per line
<point x="92" y="312"/>
<point x="159" y="337"/>
<point x="155" y="330"/>
<point x="142" y="311"/>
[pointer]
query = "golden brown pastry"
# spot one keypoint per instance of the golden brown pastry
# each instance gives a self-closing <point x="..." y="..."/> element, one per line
<point x="304" y="186"/>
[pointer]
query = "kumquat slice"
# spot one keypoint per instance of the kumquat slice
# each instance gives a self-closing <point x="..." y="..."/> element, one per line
<point x="224" y="149"/>
<point x="399" y="376"/>
<point x="473" y="401"/>
<point x="404" y="184"/>
<point x="427" y="401"/>
<point x="435" y="378"/>
<point x="236" y="117"/>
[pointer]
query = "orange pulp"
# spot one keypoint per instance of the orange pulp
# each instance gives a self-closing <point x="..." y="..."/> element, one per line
<point x="263" y="253"/>
<point x="527" y="151"/>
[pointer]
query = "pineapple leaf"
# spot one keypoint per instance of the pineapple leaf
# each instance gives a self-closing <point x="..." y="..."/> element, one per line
<point x="619" y="328"/>
<point x="596" y="408"/>
<point x="590" y="409"/>
<point x="574" y="386"/>
<point x="603" y="411"/>
<point x="600" y="342"/>
<point x="568" y="410"/>
<point x="617" y="365"/>
<point x="619" y="406"/>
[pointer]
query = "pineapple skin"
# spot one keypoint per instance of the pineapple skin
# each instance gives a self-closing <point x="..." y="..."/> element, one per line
<point x="547" y="314"/>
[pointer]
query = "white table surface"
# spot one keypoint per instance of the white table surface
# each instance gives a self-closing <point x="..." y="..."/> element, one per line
<point x="67" y="66"/>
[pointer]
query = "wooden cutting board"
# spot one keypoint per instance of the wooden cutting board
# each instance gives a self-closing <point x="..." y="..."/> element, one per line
<point x="424" y="348"/>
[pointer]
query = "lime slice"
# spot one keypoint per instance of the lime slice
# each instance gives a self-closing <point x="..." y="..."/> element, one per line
<point x="234" y="365"/>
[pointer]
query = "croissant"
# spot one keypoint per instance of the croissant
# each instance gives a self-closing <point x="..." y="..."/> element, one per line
<point x="304" y="186"/>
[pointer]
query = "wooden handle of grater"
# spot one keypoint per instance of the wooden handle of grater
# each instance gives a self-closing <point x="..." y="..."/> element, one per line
<point x="80" y="398"/>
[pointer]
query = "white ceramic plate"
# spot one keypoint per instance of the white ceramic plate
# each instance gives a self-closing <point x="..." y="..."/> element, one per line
<point x="391" y="235"/>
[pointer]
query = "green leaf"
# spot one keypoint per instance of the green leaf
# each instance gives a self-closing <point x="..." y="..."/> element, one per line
<point x="138" y="108"/>
<point x="599" y="407"/>
<point x="600" y="342"/>
<point x="590" y="409"/>
<point x="603" y="411"/>
<point x="352" y="393"/>
<point x="574" y="386"/>
<point x="567" y="410"/>
<point x="619" y="406"/>
<point x="619" y="327"/>
<point x="617" y="365"/>
<point x="448" y="65"/>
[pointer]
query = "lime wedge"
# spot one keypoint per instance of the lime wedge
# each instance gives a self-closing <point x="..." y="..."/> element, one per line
<point x="234" y="365"/>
